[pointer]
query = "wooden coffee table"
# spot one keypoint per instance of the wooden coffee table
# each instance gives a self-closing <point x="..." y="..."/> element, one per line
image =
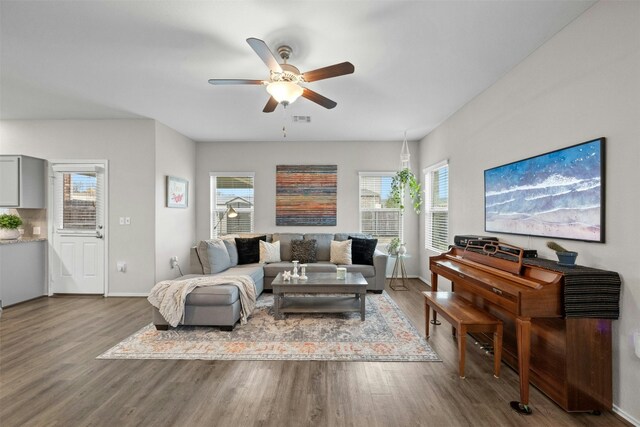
<point x="307" y="299"/>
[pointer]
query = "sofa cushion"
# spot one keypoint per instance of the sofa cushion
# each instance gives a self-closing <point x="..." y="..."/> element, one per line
<point x="323" y="244"/>
<point x="269" y="252"/>
<point x="285" y="243"/>
<point x="272" y="270"/>
<point x="321" y="267"/>
<point x="249" y="249"/>
<point x="304" y="251"/>
<point x="255" y="271"/>
<point x="341" y="252"/>
<point x="362" y="250"/>
<point x="213" y="295"/>
<point x="366" y="270"/>
<point x="345" y="236"/>
<point x="218" y="256"/>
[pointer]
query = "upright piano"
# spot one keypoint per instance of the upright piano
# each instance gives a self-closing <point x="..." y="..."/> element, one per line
<point x="567" y="358"/>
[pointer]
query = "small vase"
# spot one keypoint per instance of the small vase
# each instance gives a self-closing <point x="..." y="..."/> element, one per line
<point x="9" y="233"/>
<point x="567" y="259"/>
<point x="402" y="250"/>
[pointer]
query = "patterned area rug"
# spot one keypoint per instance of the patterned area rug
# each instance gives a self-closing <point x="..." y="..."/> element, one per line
<point x="385" y="335"/>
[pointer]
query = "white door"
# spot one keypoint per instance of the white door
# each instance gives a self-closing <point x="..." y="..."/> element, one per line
<point x="78" y="235"/>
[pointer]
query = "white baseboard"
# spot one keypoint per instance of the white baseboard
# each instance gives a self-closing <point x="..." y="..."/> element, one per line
<point x="617" y="410"/>
<point x="128" y="294"/>
<point x="428" y="283"/>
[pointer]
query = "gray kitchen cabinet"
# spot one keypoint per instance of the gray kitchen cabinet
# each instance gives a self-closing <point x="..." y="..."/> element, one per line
<point x="22" y="271"/>
<point x="22" y="182"/>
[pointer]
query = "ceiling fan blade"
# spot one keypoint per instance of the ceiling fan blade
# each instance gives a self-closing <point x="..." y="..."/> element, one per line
<point x="271" y="105"/>
<point x="265" y="54"/>
<point x="328" y="72"/>
<point x="318" y="99"/>
<point x="235" y="82"/>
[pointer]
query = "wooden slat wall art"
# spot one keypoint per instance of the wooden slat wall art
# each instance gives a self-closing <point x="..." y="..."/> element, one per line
<point x="306" y="194"/>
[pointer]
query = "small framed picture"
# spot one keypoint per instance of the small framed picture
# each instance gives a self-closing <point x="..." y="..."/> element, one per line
<point x="177" y="192"/>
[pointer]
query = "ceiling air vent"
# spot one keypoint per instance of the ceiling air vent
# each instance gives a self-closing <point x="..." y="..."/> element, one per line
<point x="301" y="119"/>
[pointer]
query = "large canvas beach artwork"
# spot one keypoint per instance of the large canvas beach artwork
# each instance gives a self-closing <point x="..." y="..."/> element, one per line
<point x="558" y="194"/>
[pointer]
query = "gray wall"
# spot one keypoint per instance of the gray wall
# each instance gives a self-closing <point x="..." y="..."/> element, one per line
<point x="582" y="84"/>
<point x="262" y="158"/>
<point x="175" y="227"/>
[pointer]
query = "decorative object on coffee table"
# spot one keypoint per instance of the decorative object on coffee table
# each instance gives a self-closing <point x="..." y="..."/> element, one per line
<point x="295" y="269"/>
<point x="303" y="272"/>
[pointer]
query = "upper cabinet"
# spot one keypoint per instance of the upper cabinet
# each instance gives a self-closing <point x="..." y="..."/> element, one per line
<point x="22" y="182"/>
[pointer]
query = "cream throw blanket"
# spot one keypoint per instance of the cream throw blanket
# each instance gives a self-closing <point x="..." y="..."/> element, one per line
<point x="169" y="296"/>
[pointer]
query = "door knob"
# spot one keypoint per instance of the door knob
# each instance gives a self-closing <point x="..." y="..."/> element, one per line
<point x="98" y="234"/>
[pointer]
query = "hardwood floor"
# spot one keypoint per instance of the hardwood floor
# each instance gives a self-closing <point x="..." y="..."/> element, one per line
<point x="49" y="376"/>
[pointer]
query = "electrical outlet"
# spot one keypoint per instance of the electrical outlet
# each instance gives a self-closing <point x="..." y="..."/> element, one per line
<point x="127" y="220"/>
<point x="173" y="261"/>
<point x="121" y="266"/>
<point x="36" y="231"/>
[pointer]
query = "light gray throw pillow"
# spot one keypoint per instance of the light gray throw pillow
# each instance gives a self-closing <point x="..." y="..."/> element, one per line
<point x="218" y="256"/>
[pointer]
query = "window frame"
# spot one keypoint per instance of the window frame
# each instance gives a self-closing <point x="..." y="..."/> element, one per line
<point x="213" y="234"/>
<point x="429" y="210"/>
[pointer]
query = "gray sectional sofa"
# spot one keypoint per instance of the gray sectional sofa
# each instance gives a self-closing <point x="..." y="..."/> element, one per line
<point x="220" y="305"/>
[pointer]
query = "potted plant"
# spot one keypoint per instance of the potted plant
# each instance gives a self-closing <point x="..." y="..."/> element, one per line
<point x="9" y="224"/>
<point x="565" y="257"/>
<point x="399" y="183"/>
<point x="393" y="246"/>
<point x="402" y="180"/>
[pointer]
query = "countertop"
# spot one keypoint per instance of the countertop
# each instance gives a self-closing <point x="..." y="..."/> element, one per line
<point x="23" y="240"/>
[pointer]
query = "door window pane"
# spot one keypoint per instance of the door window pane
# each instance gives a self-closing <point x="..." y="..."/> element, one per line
<point x="79" y="191"/>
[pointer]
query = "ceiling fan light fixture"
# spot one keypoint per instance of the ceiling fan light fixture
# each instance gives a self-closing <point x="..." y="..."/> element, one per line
<point x="284" y="92"/>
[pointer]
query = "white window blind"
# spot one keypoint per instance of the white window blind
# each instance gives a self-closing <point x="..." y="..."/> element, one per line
<point x="436" y="180"/>
<point x="235" y="191"/>
<point x="377" y="217"/>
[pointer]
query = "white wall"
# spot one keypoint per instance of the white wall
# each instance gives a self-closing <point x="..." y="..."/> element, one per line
<point x="175" y="227"/>
<point x="262" y="158"/>
<point x="129" y="147"/>
<point x="582" y="84"/>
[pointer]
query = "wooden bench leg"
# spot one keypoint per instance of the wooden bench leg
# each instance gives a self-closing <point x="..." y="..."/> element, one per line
<point x="497" y="350"/>
<point x="462" y="341"/>
<point x="426" y="317"/>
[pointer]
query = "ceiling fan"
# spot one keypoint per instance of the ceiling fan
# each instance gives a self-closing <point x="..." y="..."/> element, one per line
<point x="284" y="84"/>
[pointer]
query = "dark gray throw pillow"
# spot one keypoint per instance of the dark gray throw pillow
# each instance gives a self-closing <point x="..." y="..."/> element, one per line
<point x="304" y="251"/>
<point x="362" y="250"/>
<point x="249" y="249"/>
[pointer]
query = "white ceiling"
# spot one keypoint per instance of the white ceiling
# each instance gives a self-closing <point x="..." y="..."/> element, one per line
<point x="416" y="62"/>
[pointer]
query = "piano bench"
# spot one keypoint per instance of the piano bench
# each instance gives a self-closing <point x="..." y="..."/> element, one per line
<point x="465" y="317"/>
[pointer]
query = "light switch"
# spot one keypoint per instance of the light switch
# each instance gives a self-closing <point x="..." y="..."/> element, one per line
<point x="127" y="220"/>
<point x="121" y="266"/>
<point x="121" y="220"/>
<point x="36" y="231"/>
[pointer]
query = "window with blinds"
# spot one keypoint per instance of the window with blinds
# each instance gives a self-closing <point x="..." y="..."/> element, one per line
<point x="436" y="180"/>
<point x="231" y="191"/>
<point x="79" y="198"/>
<point x="377" y="216"/>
